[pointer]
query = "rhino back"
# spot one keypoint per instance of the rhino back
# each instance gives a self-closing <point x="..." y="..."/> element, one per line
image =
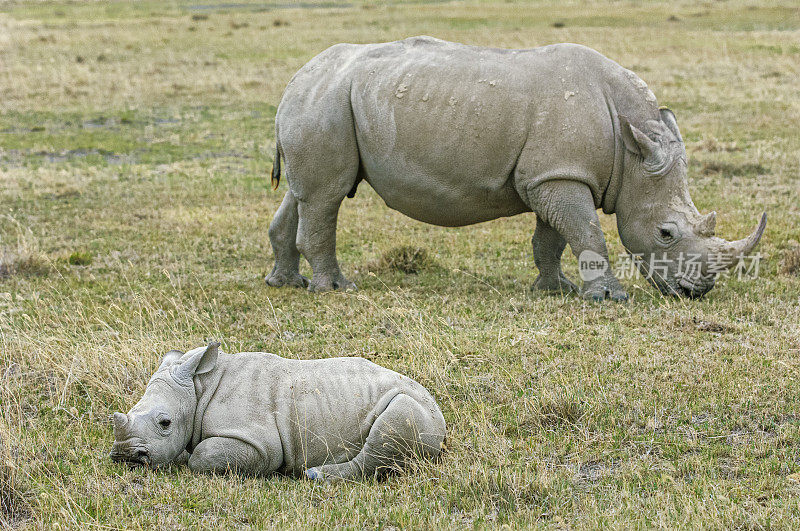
<point x="441" y="128"/>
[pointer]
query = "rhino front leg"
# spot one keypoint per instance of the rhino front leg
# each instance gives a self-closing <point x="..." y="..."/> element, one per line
<point x="219" y="455"/>
<point x="404" y="430"/>
<point x="548" y="246"/>
<point x="568" y="207"/>
<point x="283" y="237"/>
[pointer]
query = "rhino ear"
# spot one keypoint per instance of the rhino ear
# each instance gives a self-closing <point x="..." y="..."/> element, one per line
<point x="198" y="361"/>
<point x="668" y="117"/>
<point x="639" y="143"/>
<point x="170" y="357"/>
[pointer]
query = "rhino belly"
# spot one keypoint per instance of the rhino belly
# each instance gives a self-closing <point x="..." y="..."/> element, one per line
<point x="427" y="197"/>
<point x="439" y="139"/>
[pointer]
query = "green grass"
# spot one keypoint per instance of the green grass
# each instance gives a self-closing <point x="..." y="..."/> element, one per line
<point x="135" y="145"/>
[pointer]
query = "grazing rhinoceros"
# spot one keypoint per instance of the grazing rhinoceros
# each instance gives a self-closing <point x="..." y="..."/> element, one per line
<point x="453" y="135"/>
<point x="257" y="413"/>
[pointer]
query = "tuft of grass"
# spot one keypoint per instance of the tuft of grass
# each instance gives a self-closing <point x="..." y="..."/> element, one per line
<point x="22" y="258"/>
<point x="80" y="258"/>
<point x="409" y="259"/>
<point x="791" y="261"/>
<point x="13" y="505"/>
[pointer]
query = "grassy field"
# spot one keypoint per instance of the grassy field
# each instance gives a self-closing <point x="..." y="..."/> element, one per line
<point x="135" y="145"/>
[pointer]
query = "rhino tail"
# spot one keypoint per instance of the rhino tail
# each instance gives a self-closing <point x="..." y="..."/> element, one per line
<point x="276" y="166"/>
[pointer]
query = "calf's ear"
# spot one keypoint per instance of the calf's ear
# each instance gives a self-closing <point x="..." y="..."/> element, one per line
<point x="169" y="357"/>
<point x="197" y="361"/>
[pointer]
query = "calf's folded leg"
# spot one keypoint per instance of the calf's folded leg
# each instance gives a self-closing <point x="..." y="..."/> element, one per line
<point x="405" y="429"/>
<point x="222" y="454"/>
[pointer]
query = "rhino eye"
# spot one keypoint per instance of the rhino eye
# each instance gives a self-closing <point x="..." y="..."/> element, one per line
<point x="164" y="423"/>
<point x="667" y="235"/>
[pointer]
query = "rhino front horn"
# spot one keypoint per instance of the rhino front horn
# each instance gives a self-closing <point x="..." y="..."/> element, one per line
<point x="743" y="247"/>
<point x="120" y="420"/>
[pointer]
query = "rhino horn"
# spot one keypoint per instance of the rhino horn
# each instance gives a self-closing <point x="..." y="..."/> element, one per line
<point x="733" y="250"/>
<point x="706" y="226"/>
<point x="120" y="421"/>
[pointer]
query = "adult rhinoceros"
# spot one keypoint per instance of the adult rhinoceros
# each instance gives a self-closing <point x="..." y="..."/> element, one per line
<point x="452" y="135"/>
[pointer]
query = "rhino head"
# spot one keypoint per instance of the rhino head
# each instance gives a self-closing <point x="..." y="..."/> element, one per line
<point x="159" y="427"/>
<point x="675" y="247"/>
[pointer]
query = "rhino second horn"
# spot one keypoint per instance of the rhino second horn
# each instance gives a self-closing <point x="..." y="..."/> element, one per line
<point x="742" y="247"/>
<point x="707" y="226"/>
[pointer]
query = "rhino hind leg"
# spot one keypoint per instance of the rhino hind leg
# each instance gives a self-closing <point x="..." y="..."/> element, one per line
<point x="316" y="239"/>
<point x="405" y="430"/>
<point x="548" y="246"/>
<point x="283" y="236"/>
<point x="322" y="167"/>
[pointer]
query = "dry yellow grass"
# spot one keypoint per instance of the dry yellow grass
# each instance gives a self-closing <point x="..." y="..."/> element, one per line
<point x="138" y="137"/>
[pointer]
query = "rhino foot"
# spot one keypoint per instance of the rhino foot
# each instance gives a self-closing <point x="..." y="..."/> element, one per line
<point x="278" y="279"/>
<point x="599" y="291"/>
<point x="313" y="474"/>
<point x="339" y="283"/>
<point x="554" y="284"/>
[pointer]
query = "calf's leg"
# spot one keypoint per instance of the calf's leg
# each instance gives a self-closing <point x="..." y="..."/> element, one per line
<point x="405" y="429"/>
<point x="223" y="454"/>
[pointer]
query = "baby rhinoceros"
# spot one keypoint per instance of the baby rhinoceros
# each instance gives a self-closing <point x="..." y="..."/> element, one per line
<point x="257" y="413"/>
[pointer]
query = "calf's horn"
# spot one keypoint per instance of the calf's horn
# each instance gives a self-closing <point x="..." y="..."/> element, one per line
<point x="120" y="420"/>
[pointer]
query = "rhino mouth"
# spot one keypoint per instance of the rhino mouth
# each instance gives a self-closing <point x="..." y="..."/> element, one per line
<point x="132" y="455"/>
<point x="689" y="287"/>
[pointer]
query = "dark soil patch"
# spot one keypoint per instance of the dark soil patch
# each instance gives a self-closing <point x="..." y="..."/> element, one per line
<point x="23" y="264"/>
<point x="726" y="168"/>
<point x="711" y="326"/>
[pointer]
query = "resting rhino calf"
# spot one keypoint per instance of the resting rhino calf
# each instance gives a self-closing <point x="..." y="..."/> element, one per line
<point x="453" y="135"/>
<point x="257" y="413"/>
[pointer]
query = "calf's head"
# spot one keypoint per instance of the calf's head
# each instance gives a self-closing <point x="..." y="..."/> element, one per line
<point x="675" y="246"/>
<point x="160" y="425"/>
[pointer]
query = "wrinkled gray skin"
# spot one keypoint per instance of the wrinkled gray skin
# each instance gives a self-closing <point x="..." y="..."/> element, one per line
<point x="453" y="135"/>
<point x="257" y="413"/>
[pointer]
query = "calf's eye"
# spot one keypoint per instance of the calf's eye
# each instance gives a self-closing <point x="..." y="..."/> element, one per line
<point x="666" y="234"/>
<point x="165" y="423"/>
